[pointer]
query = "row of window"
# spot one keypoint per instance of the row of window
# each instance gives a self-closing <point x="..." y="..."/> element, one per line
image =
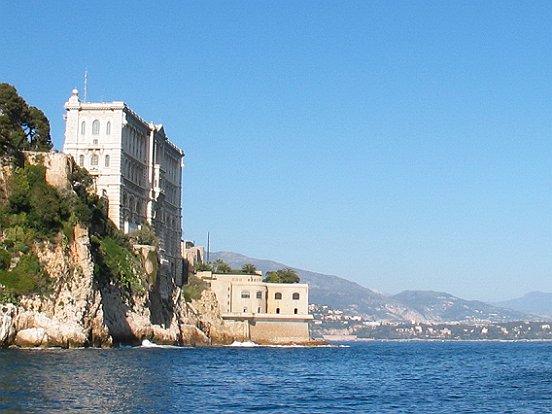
<point x="136" y="144"/>
<point x="245" y="294"/>
<point x="295" y="310"/>
<point x="134" y="172"/>
<point x="95" y="128"/>
<point x="94" y="160"/>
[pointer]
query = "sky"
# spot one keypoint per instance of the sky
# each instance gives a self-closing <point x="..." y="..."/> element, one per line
<point x="404" y="145"/>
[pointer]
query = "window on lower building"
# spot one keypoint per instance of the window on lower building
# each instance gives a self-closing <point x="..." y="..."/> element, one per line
<point x="259" y="310"/>
<point x="277" y="310"/>
<point x="277" y="295"/>
<point x="106" y="161"/>
<point x="296" y="311"/>
<point x="94" y="159"/>
<point x="245" y="294"/>
<point x="295" y="296"/>
<point x="81" y="160"/>
<point x="259" y="295"/>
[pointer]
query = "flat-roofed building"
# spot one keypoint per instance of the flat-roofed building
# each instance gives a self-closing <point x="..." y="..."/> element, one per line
<point x="269" y="312"/>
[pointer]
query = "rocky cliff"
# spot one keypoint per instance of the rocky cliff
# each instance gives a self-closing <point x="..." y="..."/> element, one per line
<point x="78" y="304"/>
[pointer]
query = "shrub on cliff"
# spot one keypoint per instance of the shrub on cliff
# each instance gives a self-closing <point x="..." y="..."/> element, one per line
<point x="5" y="259"/>
<point x="33" y="204"/>
<point x="28" y="276"/>
<point x="116" y="263"/>
<point x="144" y="235"/>
<point x="193" y="289"/>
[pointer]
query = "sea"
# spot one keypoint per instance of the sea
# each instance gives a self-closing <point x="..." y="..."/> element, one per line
<point x="360" y="377"/>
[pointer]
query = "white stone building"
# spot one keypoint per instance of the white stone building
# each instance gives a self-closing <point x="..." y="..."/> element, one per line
<point x="135" y="167"/>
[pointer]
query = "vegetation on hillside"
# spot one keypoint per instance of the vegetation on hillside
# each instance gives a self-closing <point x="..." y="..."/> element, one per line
<point x="32" y="211"/>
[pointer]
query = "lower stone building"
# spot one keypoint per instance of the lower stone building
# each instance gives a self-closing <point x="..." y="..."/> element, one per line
<point x="267" y="312"/>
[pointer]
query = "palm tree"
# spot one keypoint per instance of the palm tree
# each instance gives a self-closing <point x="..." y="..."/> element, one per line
<point x="249" y="268"/>
<point x="220" y="266"/>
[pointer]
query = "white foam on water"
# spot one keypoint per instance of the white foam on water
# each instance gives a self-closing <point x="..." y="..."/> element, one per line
<point x="246" y="344"/>
<point x="146" y="343"/>
<point x="250" y="344"/>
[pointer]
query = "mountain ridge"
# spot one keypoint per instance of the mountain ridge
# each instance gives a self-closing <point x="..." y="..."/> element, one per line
<point x="355" y="299"/>
<point x="536" y="302"/>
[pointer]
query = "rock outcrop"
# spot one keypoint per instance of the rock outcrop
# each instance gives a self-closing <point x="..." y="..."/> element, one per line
<point x="82" y="309"/>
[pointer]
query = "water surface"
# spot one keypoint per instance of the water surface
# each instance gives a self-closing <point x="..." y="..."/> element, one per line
<point x="374" y="377"/>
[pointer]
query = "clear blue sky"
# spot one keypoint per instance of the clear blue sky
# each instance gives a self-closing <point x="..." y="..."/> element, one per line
<point x="399" y="144"/>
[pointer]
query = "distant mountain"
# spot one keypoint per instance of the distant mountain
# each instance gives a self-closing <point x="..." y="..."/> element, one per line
<point x="444" y="307"/>
<point x="538" y="303"/>
<point x="419" y="306"/>
<point x="331" y="290"/>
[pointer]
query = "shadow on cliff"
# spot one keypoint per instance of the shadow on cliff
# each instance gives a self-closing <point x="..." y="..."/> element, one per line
<point x="115" y="301"/>
<point x="116" y="311"/>
<point x="162" y="307"/>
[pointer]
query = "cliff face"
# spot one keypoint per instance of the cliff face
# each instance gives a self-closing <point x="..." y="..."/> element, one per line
<point x="81" y="307"/>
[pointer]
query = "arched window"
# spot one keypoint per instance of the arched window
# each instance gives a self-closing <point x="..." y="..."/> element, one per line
<point x="296" y="311"/>
<point x="245" y="294"/>
<point x="81" y="160"/>
<point x="277" y="295"/>
<point x="108" y="128"/>
<point x="106" y="162"/>
<point x="295" y="296"/>
<point x="96" y="127"/>
<point x="94" y="159"/>
<point x="277" y="310"/>
<point x="259" y="294"/>
<point x="83" y="128"/>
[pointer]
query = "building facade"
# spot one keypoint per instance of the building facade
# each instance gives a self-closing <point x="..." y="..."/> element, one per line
<point x="267" y="312"/>
<point x="136" y="169"/>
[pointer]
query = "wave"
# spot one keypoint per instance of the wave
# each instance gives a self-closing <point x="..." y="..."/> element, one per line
<point x="146" y="343"/>
<point x="251" y="344"/>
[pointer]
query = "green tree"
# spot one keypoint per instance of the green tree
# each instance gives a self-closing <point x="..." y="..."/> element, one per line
<point x="204" y="267"/>
<point x="286" y="275"/>
<point x="220" y="266"/>
<point x="22" y="127"/>
<point x="249" y="268"/>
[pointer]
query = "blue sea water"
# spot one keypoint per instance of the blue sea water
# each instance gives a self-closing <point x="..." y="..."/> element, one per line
<point x="373" y="377"/>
